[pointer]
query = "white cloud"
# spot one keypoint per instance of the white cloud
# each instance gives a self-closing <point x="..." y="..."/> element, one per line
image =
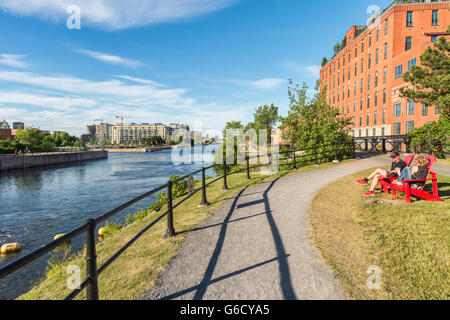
<point x="69" y="103"/>
<point x="116" y="14"/>
<point x="142" y="81"/>
<point x="262" y="84"/>
<point x="312" y="71"/>
<point x="13" y="60"/>
<point x="110" y="59"/>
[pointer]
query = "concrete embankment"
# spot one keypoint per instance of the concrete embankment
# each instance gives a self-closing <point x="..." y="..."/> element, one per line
<point x="137" y="150"/>
<point x="48" y="159"/>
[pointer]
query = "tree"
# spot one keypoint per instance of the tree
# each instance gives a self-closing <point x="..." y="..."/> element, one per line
<point x="324" y="61"/>
<point x="265" y="118"/>
<point x="430" y="84"/>
<point x="313" y="123"/>
<point x="63" y="139"/>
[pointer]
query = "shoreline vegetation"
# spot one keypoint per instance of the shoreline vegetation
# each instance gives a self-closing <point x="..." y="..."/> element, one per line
<point x="408" y="242"/>
<point x="137" y="269"/>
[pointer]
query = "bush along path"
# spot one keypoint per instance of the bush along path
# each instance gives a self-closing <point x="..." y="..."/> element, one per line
<point x="256" y="246"/>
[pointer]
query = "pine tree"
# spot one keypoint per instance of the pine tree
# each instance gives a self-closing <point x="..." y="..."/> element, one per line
<point x="430" y="83"/>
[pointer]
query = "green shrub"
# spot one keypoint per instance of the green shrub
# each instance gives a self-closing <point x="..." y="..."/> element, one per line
<point x="432" y="138"/>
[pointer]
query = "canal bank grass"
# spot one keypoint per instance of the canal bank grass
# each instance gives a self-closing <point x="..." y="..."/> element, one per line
<point x="137" y="269"/>
<point x="408" y="242"/>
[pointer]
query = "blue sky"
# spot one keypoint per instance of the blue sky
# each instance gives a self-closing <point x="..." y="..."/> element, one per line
<point x="188" y="61"/>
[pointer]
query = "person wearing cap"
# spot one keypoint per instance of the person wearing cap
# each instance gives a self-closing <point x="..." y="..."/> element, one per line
<point x="396" y="168"/>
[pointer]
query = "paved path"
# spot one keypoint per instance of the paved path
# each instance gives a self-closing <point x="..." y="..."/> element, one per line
<point x="256" y="246"/>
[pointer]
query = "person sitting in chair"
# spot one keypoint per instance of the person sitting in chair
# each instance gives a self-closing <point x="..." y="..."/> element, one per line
<point x="418" y="172"/>
<point x="396" y="168"/>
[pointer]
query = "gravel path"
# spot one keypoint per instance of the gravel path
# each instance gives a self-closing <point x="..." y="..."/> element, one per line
<point x="256" y="246"/>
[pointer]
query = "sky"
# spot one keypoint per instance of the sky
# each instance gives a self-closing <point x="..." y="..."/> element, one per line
<point x="200" y="62"/>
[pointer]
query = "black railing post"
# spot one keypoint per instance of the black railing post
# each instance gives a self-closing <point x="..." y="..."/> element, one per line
<point x="315" y="156"/>
<point x="408" y="145"/>
<point x="295" y="159"/>
<point x="384" y="145"/>
<point x="204" y="201"/>
<point x="170" y="233"/>
<point x="366" y="145"/>
<point x="225" y="184"/>
<point x="91" y="262"/>
<point x="354" y="149"/>
<point x="248" y="167"/>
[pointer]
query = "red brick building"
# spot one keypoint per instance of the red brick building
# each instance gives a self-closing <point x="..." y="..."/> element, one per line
<point x="364" y="79"/>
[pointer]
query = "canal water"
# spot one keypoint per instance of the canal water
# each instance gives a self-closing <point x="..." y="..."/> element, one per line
<point x="37" y="204"/>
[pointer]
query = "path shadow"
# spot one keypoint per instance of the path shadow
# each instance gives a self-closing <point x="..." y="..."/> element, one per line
<point x="283" y="267"/>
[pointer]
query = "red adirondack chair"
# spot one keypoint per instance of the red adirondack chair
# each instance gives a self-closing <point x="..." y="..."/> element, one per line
<point x="410" y="191"/>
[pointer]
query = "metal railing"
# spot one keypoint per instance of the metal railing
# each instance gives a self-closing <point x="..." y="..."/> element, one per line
<point x="313" y="155"/>
<point x="384" y="143"/>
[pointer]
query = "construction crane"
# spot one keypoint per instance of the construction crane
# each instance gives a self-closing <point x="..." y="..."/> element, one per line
<point x="121" y="119"/>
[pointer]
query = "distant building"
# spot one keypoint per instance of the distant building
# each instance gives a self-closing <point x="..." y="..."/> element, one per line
<point x="196" y="136"/>
<point x="18" y="125"/>
<point x="4" y="125"/>
<point x="103" y="131"/>
<point x="134" y="133"/>
<point x="91" y="129"/>
<point x="5" y="134"/>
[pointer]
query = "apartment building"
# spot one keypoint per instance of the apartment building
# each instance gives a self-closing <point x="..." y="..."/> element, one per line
<point x="133" y="133"/>
<point x="364" y="79"/>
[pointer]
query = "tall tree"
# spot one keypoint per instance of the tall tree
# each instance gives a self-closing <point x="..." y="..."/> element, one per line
<point x="265" y="118"/>
<point x="430" y="83"/>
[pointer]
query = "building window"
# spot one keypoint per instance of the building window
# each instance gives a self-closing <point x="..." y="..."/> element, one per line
<point x="382" y="131"/>
<point x="410" y="108"/>
<point x="384" y="116"/>
<point x="437" y="111"/>
<point x="398" y="71"/>
<point x="397" y="110"/>
<point x="368" y="82"/>
<point x="411" y="63"/>
<point x="384" y="74"/>
<point x="356" y="69"/>
<point x="408" y="43"/>
<point x="409" y="19"/>
<point x="378" y="33"/>
<point x="356" y="51"/>
<point x="376" y="79"/>
<point x="362" y="65"/>
<point x="354" y="88"/>
<point x="349" y="73"/>
<point x="409" y="126"/>
<point x="375" y="118"/>
<point x="360" y="122"/>
<point x="362" y="45"/>
<point x="361" y="104"/>
<point x="368" y="101"/>
<point x="349" y="55"/>
<point x="369" y="62"/>
<point x="397" y="128"/>
<point x="385" y="50"/>
<point x="368" y="118"/>
<point x="435" y="18"/>
<point x="376" y="56"/>
<point x="384" y="96"/>
<point x="370" y="40"/>
<point x="386" y="25"/>
<point x="354" y="105"/>
<point x="424" y="110"/>
<point x="362" y="85"/>
<point x="376" y="99"/>
<point x="433" y="39"/>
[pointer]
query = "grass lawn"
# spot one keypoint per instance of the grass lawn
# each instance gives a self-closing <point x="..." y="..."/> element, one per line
<point x="137" y="269"/>
<point x="409" y="243"/>
<point x="444" y="161"/>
